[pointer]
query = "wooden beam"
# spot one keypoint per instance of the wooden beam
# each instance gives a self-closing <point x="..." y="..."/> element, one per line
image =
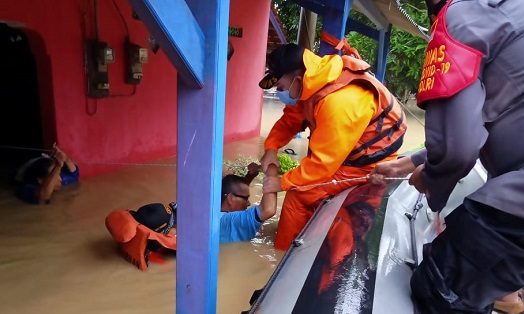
<point x="277" y="27"/>
<point x="307" y="29"/>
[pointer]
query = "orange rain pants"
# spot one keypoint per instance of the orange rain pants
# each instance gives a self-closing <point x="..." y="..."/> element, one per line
<point x="299" y="205"/>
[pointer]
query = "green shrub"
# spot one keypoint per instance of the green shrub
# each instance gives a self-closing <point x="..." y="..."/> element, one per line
<point x="239" y="165"/>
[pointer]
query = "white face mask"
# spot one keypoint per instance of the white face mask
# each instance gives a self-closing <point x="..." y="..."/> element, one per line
<point x="284" y="96"/>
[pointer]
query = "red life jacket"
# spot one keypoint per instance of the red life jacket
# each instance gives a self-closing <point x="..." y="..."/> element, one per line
<point x="385" y="132"/>
<point x="132" y="238"/>
<point x="449" y="65"/>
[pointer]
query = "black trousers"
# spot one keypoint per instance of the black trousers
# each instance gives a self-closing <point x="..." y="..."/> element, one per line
<point x="476" y="260"/>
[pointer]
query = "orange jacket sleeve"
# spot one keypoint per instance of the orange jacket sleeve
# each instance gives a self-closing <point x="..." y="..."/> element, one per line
<point x="341" y="119"/>
<point x="285" y="128"/>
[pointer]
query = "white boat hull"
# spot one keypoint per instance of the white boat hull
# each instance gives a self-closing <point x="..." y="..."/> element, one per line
<point x="357" y="253"/>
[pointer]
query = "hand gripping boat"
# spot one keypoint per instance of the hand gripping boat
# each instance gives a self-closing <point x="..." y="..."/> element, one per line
<point x="357" y="253"/>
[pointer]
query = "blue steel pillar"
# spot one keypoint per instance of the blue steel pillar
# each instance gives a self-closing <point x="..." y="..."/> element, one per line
<point x="336" y="14"/>
<point x="199" y="165"/>
<point x="193" y="35"/>
<point x="382" y="53"/>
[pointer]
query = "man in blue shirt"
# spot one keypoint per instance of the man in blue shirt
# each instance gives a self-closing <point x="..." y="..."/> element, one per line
<point x="40" y="177"/>
<point x="237" y="221"/>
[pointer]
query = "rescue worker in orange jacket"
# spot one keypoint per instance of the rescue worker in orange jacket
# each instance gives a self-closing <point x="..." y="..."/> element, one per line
<point x="354" y="122"/>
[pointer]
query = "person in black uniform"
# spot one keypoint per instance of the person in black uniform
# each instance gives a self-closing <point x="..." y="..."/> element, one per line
<point x="472" y="88"/>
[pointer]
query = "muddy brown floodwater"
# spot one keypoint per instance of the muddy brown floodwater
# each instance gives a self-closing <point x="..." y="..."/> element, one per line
<point x="60" y="259"/>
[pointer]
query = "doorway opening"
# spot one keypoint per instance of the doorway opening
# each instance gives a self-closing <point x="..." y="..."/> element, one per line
<point x="21" y="132"/>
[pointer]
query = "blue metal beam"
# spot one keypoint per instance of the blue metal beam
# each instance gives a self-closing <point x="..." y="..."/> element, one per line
<point x="381" y="36"/>
<point x="172" y="24"/>
<point x="193" y="44"/>
<point x="334" y="22"/>
<point x="382" y="53"/>
<point x="356" y="26"/>
<point x="199" y="166"/>
<point x="313" y="6"/>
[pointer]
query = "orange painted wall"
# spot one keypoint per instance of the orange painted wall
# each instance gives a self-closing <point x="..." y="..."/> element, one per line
<point x="131" y="126"/>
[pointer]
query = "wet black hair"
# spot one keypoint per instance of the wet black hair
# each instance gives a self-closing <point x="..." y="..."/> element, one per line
<point x="38" y="170"/>
<point x="229" y="184"/>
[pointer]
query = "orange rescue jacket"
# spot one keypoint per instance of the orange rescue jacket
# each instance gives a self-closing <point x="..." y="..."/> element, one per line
<point x="384" y="134"/>
<point x="133" y="238"/>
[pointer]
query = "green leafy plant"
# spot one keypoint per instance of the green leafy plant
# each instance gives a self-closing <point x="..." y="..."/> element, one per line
<point x="286" y="163"/>
<point x="239" y="165"/>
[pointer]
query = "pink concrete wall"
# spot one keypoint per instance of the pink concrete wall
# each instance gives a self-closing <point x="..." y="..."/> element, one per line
<point x="130" y="126"/>
<point x="246" y="68"/>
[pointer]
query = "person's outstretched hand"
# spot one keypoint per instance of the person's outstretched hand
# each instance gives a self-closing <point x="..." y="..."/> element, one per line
<point x="390" y="169"/>
<point x="417" y="181"/>
<point x="59" y="155"/>
<point x="62" y="158"/>
<point x="252" y="172"/>
<point x="253" y="169"/>
<point x="271" y="184"/>
<point x="269" y="157"/>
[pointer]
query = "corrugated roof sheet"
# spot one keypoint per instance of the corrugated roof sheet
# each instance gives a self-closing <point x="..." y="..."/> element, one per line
<point x="398" y="17"/>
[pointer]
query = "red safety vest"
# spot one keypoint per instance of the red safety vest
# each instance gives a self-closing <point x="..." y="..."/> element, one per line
<point x="449" y="65"/>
